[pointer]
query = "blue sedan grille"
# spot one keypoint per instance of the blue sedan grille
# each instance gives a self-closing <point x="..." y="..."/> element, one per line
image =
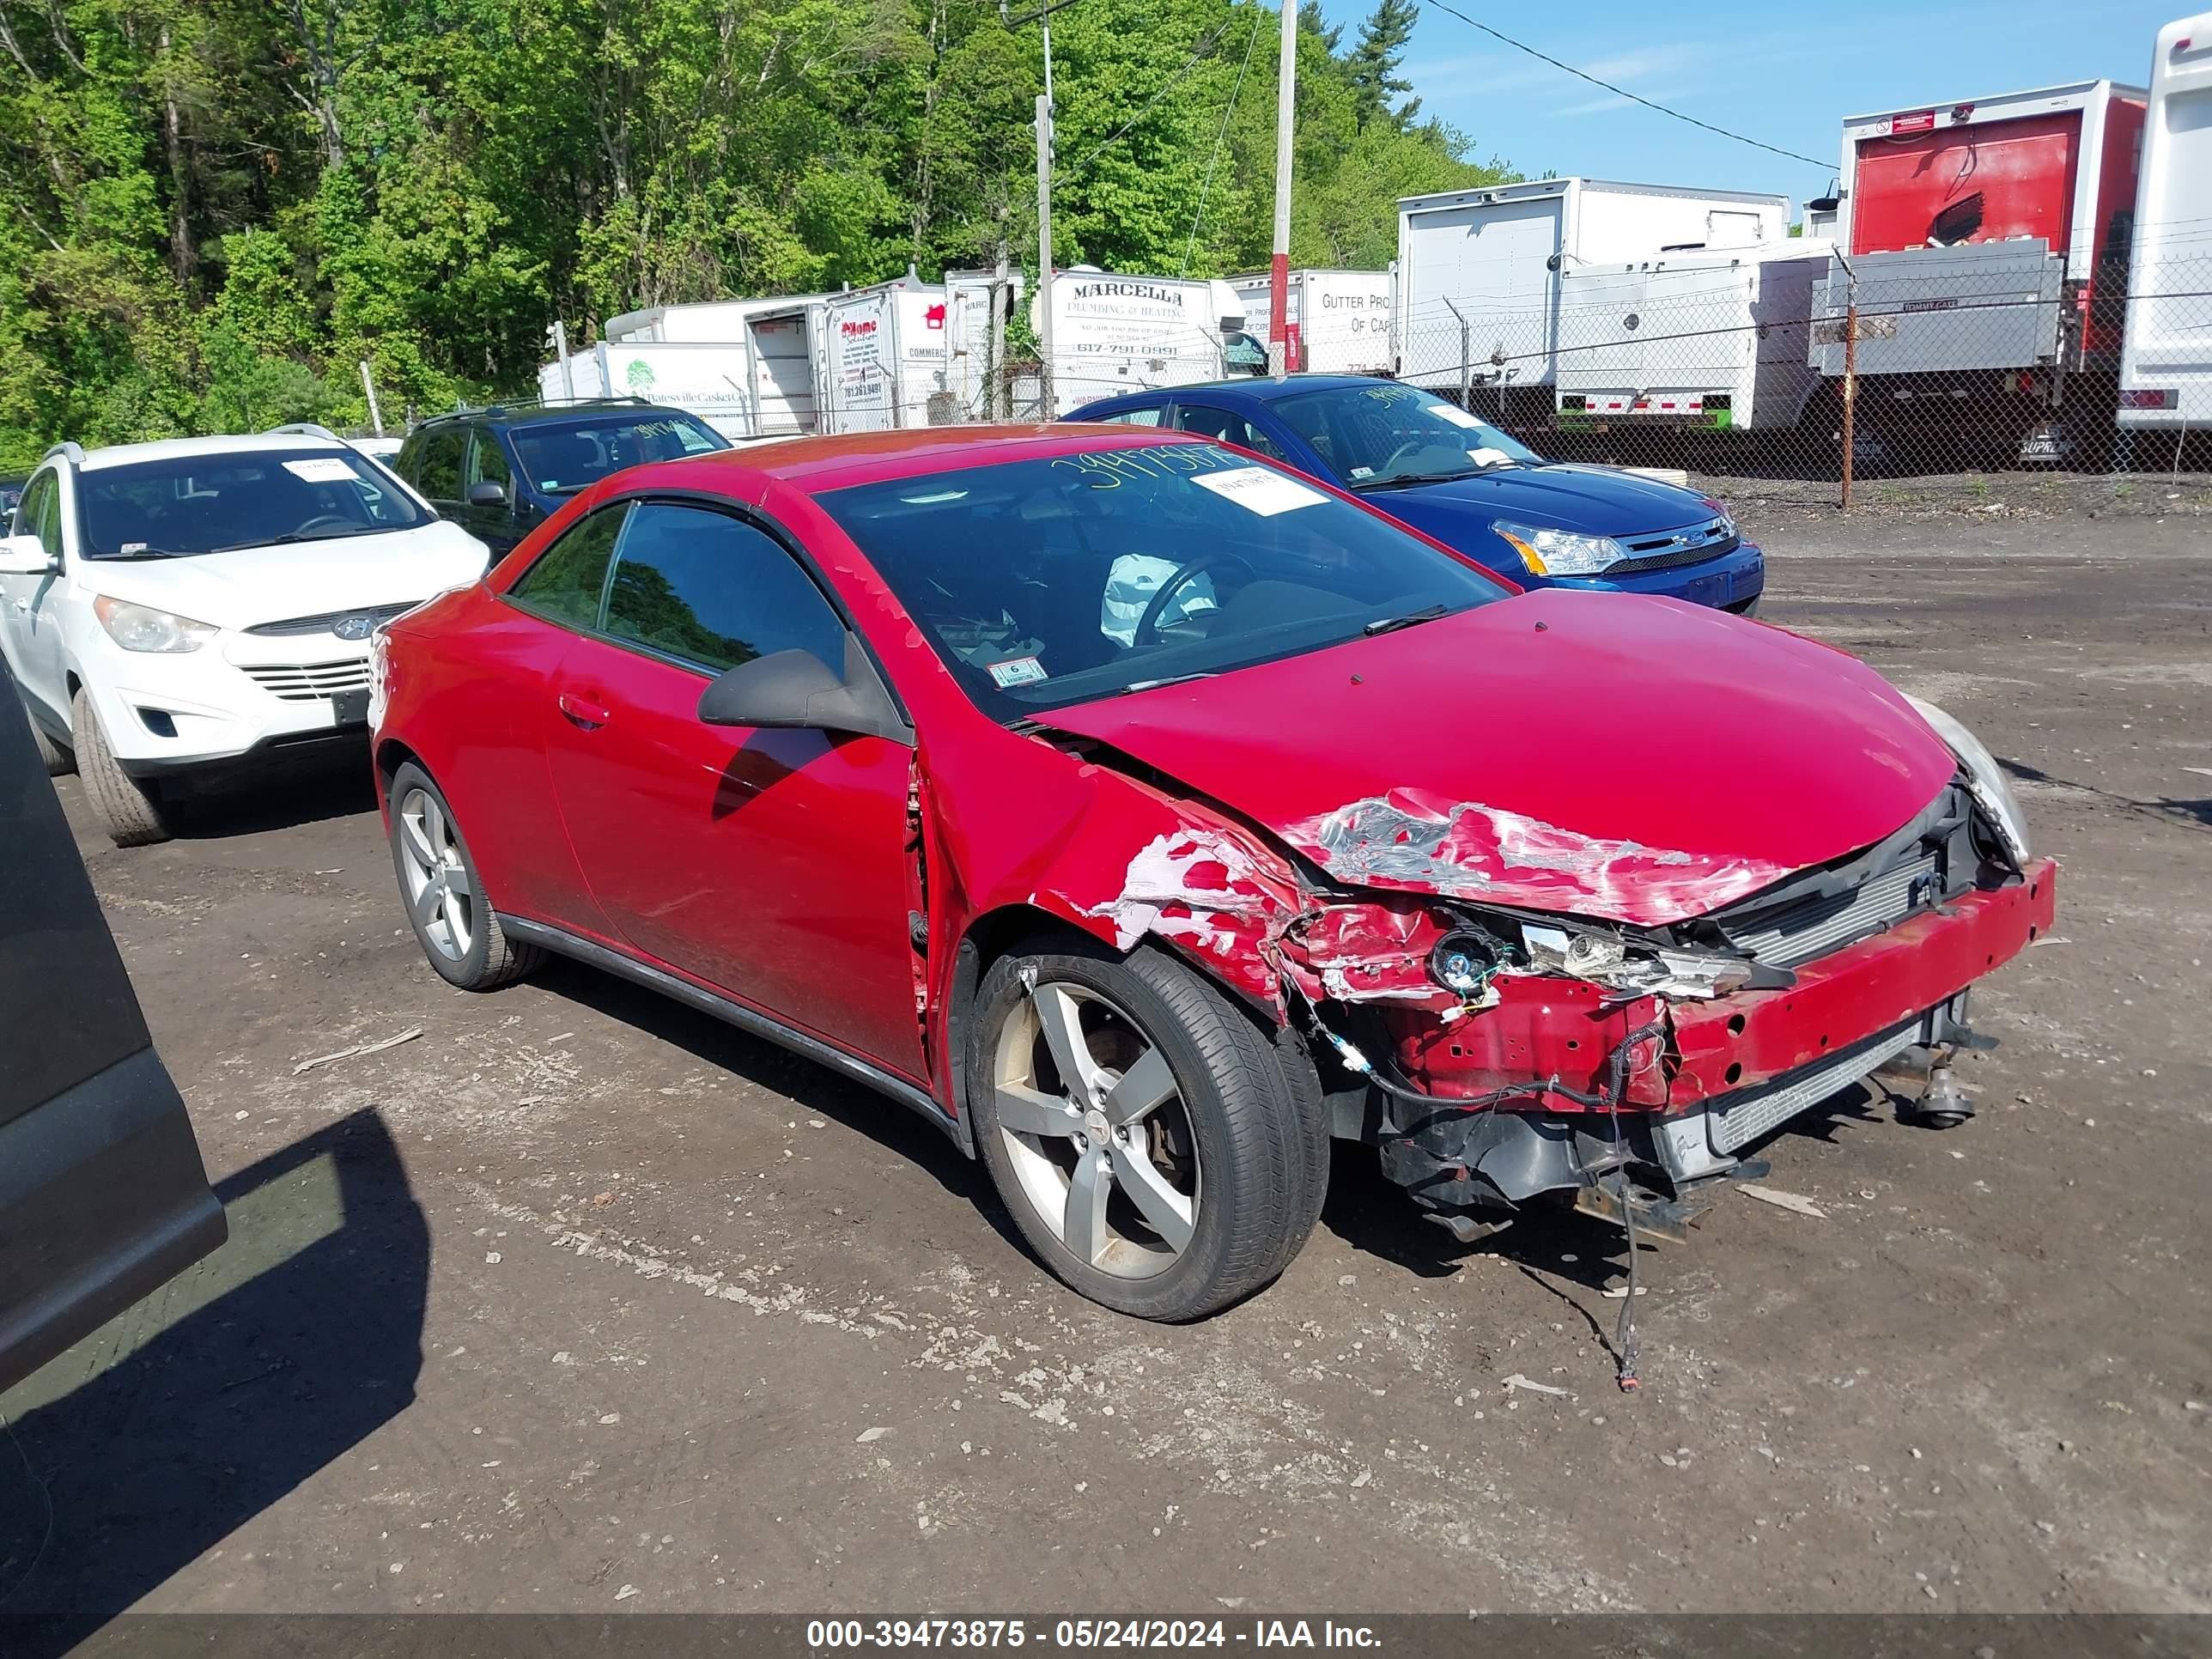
<point x="1667" y="548"/>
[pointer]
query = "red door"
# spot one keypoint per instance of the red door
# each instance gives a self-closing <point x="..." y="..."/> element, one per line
<point x="770" y="864"/>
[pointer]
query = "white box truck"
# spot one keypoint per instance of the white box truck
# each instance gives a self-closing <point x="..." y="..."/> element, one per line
<point x="1339" y="320"/>
<point x="1476" y="312"/>
<point x="2166" y="356"/>
<point x="1113" y="333"/>
<point x="1985" y="241"/>
<point x="1700" y="339"/>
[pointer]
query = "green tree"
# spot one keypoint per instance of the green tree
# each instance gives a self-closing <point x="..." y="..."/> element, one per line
<point x="1376" y="83"/>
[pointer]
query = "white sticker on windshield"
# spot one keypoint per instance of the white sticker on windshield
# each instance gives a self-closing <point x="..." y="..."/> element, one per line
<point x="1488" y="456"/>
<point x="322" y="469"/>
<point x="1020" y="670"/>
<point x="1453" y="413"/>
<point x="1362" y="471"/>
<point x="1259" y="489"/>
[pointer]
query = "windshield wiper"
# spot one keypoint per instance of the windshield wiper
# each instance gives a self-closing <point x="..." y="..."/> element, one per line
<point x="136" y="553"/>
<point x="1411" y="619"/>
<point x="292" y="538"/>
<point x="1404" y="479"/>
<point x="1171" y="679"/>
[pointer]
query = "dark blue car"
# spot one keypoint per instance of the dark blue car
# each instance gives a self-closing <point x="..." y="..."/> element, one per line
<point x="1542" y="523"/>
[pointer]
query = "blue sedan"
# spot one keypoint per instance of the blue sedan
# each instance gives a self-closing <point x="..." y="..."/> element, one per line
<point x="1429" y="463"/>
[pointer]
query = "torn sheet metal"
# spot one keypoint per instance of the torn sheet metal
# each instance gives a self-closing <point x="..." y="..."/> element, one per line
<point x="1420" y="842"/>
<point x="1646" y="970"/>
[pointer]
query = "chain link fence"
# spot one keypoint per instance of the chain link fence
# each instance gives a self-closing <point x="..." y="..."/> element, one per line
<point x="1828" y="377"/>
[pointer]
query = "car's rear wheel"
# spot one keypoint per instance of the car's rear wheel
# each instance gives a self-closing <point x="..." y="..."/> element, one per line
<point x="453" y="921"/>
<point x="134" y="813"/>
<point x="1142" y="1129"/>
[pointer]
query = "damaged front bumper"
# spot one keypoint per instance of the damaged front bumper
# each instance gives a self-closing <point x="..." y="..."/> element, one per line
<point x="1728" y="1072"/>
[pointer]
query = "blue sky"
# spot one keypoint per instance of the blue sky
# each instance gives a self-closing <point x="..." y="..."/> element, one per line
<point x="1784" y="74"/>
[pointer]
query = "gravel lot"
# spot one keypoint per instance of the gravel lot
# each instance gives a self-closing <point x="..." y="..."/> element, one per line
<point x="580" y="1301"/>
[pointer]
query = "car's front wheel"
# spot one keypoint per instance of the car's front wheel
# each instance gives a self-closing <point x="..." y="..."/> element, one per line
<point x="57" y="759"/>
<point x="134" y="813"/>
<point x="453" y="922"/>
<point x="1156" y="1149"/>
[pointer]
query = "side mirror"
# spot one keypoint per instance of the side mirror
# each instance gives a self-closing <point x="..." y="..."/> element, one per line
<point x="26" y="556"/>
<point x="486" y="493"/>
<point x="796" y="689"/>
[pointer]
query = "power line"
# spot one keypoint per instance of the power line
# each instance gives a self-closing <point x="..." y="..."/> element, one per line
<point x="1259" y="16"/>
<point x="1623" y="91"/>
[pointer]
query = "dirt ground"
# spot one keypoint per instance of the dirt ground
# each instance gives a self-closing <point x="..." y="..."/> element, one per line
<point x="578" y="1300"/>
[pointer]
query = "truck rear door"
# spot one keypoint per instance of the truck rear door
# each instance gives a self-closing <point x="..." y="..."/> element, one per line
<point x="2166" y="363"/>
<point x="102" y="1193"/>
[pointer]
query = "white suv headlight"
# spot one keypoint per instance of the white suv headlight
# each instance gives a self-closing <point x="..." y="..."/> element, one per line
<point x="142" y="628"/>
<point x="1559" y="552"/>
<point x="1984" y="777"/>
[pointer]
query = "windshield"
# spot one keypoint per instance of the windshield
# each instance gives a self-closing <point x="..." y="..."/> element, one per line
<point x="1042" y="583"/>
<point x="192" y="504"/>
<point x="1376" y="435"/>
<point x="562" y="460"/>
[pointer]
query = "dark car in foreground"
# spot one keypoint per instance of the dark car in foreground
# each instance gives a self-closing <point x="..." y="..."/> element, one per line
<point x="862" y="745"/>
<point x="102" y="1193"/>
<point x="504" y="471"/>
<point x="1449" y="473"/>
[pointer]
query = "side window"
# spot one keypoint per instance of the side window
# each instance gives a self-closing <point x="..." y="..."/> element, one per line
<point x="714" y="591"/>
<point x="36" y="493"/>
<point x="440" y="478"/>
<point x="564" y="585"/>
<point x="1132" y="417"/>
<point x="44" y="520"/>
<point x="1210" y="422"/>
<point x="488" y="462"/>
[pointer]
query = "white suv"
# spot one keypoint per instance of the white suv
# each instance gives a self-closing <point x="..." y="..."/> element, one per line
<point x="178" y="609"/>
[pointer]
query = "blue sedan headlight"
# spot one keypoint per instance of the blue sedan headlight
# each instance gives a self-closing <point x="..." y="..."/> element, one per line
<point x="1560" y="552"/>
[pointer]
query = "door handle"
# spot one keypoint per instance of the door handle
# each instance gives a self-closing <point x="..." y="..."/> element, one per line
<point x="582" y="711"/>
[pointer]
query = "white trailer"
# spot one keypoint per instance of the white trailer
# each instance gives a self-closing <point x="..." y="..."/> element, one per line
<point x="1478" y="273"/>
<point x="1339" y="320"/>
<point x="898" y="354"/>
<point x="2166" y="356"/>
<point x="908" y="353"/>
<point x="1113" y="333"/>
<point x="1699" y="339"/>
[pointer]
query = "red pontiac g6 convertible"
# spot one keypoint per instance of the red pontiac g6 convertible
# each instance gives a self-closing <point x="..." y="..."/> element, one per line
<point x="1144" y="815"/>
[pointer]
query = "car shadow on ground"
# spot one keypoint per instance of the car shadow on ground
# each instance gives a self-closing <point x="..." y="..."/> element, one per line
<point x="150" y="1442"/>
<point x="2190" y="814"/>
<point x="796" y="1080"/>
<point x="309" y="792"/>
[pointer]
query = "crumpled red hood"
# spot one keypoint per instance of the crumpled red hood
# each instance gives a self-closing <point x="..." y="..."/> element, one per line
<point x="1612" y="756"/>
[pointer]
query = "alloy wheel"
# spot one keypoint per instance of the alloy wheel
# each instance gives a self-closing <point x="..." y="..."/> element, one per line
<point x="441" y="894"/>
<point x="1096" y="1130"/>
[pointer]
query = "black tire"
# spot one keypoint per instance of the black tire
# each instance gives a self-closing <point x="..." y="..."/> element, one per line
<point x="59" y="761"/>
<point x="486" y="958"/>
<point x="134" y="812"/>
<point x="1250" y="1102"/>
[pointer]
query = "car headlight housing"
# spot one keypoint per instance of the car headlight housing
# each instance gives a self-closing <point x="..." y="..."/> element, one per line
<point x="142" y="628"/>
<point x="1985" y="779"/>
<point x="1559" y="552"/>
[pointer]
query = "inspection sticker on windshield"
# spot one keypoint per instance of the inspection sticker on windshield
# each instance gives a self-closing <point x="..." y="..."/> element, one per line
<point x="1258" y="490"/>
<point x="323" y="468"/>
<point x="1019" y="671"/>
<point x="1453" y="413"/>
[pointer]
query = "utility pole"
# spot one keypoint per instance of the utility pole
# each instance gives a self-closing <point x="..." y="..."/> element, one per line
<point x="1044" y="242"/>
<point x="1287" y="98"/>
<point x="368" y="385"/>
